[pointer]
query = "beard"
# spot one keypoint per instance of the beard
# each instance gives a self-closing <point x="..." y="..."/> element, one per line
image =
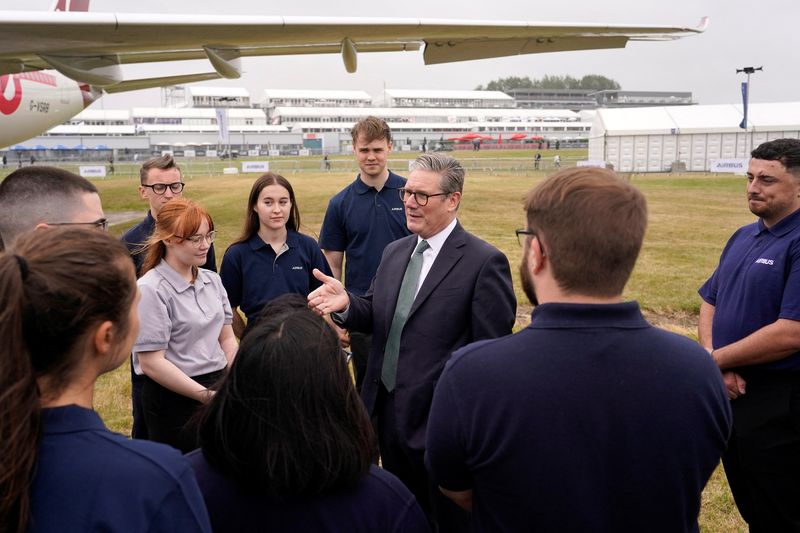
<point x="527" y="282"/>
<point x="761" y="210"/>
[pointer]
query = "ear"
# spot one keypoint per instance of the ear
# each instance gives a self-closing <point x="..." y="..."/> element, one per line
<point x="453" y="200"/>
<point x="103" y="338"/>
<point x="143" y="192"/>
<point x="536" y="256"/>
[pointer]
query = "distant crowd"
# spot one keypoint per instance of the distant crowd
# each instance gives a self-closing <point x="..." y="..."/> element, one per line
<point x="369" y="380"/>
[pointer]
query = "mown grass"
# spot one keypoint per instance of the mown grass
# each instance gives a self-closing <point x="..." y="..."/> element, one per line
<point x="691" y="218"/>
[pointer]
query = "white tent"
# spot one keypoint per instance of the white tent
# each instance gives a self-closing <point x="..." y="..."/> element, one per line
<point x="652" y="139"/>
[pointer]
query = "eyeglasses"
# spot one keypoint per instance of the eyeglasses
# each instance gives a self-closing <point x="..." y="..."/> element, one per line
<point x="526" y="233"/>
<point x="100" y="223"/>
<point x="198" y="239"/>
<point x="161" y="188"/>
<point x="420" y="197"/>
<point x="529" y="233"/>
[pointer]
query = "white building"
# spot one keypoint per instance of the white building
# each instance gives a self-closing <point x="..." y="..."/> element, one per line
<point x="439" y="98"/>
<point x="651" y="139"/>
<point x="313" y="98"/>
<point x="202" y="96"/>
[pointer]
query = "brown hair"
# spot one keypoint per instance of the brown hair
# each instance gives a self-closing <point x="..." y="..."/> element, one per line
<point x="251" y="221"/>
<point x="37" y="194"/>
<point x="372" y="129"/>
<point x="591" y="224"/>
<point x="163" y="162"/>
<point x="177" y="218"/>
<point x="57" y="285"/>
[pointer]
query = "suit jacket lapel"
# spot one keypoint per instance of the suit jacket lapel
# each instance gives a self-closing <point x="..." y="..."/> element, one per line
<point x="448" y="256"/>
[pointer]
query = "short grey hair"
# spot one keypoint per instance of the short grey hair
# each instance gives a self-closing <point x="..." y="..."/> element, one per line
<point x="35" y="194"/>
<point x="447" y="166"/>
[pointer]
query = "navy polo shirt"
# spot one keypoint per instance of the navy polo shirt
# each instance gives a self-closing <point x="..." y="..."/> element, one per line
<point x="756" y="283"/>
<point x="90" y="479"/>
<point x="590" y="419"/>
<point x="378" y="503"/>
<point x="135" y="239"/>
<point x="253" y="274"/>
<point x="361" y="221"/>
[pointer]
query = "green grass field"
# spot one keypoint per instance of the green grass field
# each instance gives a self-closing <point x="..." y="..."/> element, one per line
<point x="691" y="218"/>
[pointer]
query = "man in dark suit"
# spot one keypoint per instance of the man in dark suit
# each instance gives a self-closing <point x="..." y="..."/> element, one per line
<point x="435" y="291"/>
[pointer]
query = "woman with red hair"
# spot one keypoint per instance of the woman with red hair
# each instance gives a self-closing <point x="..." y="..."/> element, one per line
<point x="186" y="341"/>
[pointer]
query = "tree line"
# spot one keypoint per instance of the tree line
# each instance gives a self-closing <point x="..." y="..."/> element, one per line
<point x="590" y="81"/>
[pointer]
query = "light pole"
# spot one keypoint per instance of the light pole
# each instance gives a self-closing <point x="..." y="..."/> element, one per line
<point x="746" y="98"/>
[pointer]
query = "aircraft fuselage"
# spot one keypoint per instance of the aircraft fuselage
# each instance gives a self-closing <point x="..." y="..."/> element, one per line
<point x="33" y="102"/>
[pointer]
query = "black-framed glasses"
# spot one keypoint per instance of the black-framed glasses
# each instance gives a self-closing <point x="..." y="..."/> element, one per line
<point x="529" y="233"/>
<point x="100" y="223"/>
<point x="161" y="188"/>
<point x="197" y="239"/>
<point x="420" y="197"/>
<point x="526" y="233"/>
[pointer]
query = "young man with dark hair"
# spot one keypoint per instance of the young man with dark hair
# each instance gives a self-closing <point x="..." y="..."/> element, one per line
<point x="41" y="196"/>
<point x="160" y="181"/>
<point x="590" y="419"/>
<point x="362" y="219"/>
<point x="750" y="322"/>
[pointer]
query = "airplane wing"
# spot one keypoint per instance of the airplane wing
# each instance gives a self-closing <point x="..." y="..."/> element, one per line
<point x="90" y="47"/>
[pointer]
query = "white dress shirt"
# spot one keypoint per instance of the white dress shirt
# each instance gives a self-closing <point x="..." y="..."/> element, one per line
<point x="429" y="256"/>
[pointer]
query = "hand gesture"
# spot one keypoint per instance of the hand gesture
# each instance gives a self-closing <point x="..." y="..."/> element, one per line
<point x="330" y="297"/>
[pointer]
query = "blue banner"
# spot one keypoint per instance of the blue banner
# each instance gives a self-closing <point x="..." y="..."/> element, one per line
<point x="743" y="124"/>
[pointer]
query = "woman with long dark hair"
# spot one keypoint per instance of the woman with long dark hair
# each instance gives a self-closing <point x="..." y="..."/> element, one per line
<point x="286" y="444"/>
<point x="270" y="257"/>
<point x="69" y="315"/>
<point x="186" y="341"/>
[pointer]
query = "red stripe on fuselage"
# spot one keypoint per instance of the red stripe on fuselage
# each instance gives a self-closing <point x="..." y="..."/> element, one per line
<point x="72" y="5"/>
<point x="38" y="77"/>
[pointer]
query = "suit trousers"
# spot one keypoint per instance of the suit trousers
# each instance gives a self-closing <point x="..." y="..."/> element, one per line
<point x="762" y="462"/>
<point x="168" y="414"/>
<point x="408" y="465"/>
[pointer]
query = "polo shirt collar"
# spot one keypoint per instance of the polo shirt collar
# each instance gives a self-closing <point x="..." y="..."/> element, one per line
<point x="256" y="242"/>
<point x="786" y="225"/>
<point x="570" y="315"/>
<point x="69" y="419"/>
<point x="392" y="182"/>
<point x="176" y="280"/>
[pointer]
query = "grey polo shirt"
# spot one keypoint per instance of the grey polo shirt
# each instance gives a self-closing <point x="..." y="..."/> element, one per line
<point x="183" y="318"/>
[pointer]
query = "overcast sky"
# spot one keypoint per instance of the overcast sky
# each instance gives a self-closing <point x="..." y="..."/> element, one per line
<point x="741" y="33"/>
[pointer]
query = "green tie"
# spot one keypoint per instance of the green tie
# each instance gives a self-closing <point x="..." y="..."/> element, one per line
<point x="405" y="298"/>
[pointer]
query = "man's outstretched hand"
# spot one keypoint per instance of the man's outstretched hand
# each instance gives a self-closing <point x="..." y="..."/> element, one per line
<point x="328" y="298"/>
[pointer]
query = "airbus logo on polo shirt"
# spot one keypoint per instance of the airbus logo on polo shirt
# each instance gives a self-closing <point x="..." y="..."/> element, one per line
<point x="764" y="261"/>
<point x="397" y="209"/>
<point x="297" y="268"/>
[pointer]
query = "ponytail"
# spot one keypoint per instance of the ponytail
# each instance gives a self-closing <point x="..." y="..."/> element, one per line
<point x="19" y="400"/>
